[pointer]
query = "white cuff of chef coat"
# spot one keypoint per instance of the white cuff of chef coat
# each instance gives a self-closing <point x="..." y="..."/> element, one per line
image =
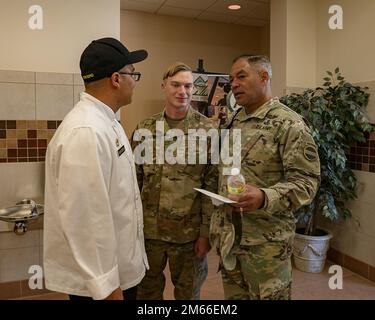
<point x="104" y="285"/>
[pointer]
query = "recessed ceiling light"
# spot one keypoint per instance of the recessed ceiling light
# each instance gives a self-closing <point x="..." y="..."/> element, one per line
<point x="234" y="7"/>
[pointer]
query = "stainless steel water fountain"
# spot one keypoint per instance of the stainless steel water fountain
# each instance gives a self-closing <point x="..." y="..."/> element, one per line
<point x="21" y="214"/>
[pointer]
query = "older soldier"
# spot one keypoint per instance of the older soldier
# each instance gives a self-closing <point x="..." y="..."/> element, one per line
<point x="176" y="217"/>
<point x="280" y="163"/>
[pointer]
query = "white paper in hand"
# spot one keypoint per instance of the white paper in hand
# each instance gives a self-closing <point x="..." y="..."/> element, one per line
<point x="217" y="200"/>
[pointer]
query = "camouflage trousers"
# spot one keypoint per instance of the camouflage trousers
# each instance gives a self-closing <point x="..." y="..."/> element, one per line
<point x="262" y="272"/>
<point x="200" y="275"/>
<point x="181" y="259"/>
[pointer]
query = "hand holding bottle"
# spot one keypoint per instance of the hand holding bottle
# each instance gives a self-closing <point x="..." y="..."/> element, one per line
<point x="248" y="197"/>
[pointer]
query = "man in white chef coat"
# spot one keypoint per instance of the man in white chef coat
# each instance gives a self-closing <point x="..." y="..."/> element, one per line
<point x="93" y="223"/>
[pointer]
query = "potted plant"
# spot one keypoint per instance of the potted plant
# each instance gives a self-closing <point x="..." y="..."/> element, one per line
<point x="335" y="115"/>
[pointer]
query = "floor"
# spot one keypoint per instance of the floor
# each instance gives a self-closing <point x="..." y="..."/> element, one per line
<point x="306" y="286"/>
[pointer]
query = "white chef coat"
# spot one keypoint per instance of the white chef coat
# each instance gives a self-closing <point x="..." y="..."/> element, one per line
<point x="93" y="221"/>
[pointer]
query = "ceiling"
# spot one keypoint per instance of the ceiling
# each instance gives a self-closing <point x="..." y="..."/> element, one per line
<point x="252" y="12"/>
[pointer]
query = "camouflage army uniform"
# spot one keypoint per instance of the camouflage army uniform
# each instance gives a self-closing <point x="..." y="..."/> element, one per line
<point x="279" y="156"/>
<point x="175" y="215"/>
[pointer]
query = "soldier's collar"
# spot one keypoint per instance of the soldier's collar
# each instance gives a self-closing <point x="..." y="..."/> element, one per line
<point x="259" y="113"/>
<point x="163" y="117"/>
<point x="164" y="114"/>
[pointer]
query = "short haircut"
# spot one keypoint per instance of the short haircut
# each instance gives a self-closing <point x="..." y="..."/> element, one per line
<point x="257" y="61"/>
<point x="175" y="68"/>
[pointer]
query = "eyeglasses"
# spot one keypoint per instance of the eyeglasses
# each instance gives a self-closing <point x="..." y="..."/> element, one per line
<point x="135" y="75"/>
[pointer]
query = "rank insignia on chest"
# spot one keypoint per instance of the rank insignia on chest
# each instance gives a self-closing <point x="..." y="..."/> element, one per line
<point x="121" y="151"/>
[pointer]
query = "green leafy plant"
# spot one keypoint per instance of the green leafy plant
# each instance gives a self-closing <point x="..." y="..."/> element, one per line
<point x="336" y="117"/>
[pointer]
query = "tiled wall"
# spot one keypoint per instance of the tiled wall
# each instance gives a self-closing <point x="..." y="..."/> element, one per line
<point x="17" y="254"/>
<point x="32" y="105"/>
<point x="353" y="242"/>
<point x="362" y="155"/>
<point x="25" y="140"/>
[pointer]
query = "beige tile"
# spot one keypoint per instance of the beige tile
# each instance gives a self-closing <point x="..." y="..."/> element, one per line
<point x="15" y="263"/>
<point x="3" y="153"/>
<point x="41" y="124"/>
<point x="363" y="248"/>
<point x="366" y="187"/>
<point x="6" y="226"/>
<point x="77" y="79"/>
<point x="17" y="76"/>
<point x="11" y="133"/>
<point x="3" y="143"/>
<point x="21" y="134"/>
<point x="342" y="239"/>
<point x="11" y="143"/>
<point x="77" y="92"/>
<point x="50" y="133"/>
<point x="363" y="219"/>
<point x="42" y="134"/>
<point x="21" y="124"/>
<point x="54" y="78"/>
<point x="9" y="240"/>
<point x="366" y="167"/>
<point x="24" y="180"/>
<point x="53" y="102"/>
<point x="32" y="124"/>
<point x="17" y="101"/>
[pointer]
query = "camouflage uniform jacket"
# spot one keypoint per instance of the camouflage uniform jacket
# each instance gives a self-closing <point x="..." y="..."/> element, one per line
<point x="173" y="210"/>
<point x="279" y="156"/>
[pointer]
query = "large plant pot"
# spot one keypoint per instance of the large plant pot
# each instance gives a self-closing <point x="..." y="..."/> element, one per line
<point x="309" y="252"/>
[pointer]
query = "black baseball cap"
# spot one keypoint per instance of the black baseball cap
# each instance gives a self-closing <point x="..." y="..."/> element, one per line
<point x="104" y="56"/>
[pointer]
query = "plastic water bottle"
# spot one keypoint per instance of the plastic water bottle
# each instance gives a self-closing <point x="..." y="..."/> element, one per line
<point x="236" y="182"/>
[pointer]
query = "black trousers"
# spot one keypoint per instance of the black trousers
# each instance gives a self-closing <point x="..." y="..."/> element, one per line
<point x="129" y="294"/>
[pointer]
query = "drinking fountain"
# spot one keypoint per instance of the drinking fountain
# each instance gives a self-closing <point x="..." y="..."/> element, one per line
<point x="21" y="214"/>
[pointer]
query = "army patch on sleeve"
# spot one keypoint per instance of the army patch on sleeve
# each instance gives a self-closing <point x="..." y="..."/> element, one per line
<point x="310" y="153"/>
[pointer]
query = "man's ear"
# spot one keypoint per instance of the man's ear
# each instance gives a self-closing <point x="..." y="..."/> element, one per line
<point x="115" y="79"/>
<point x="162" y="85"/>
<point x="265" y="76"/>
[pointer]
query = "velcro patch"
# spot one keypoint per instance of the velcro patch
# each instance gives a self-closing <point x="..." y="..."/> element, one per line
<point x="310" y="153"/>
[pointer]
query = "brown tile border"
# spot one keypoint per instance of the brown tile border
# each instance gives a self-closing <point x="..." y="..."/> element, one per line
<point x="18" y="289"/>
<point x="335" y="256"/>
<point x="357" y="266"/>
<point x="25" y="140"/>
<point x="10" y="290"/>
<point x="372" y="274"/>
<point x="361" y="155"/>
<point x="365" y="270"/>
<point x="26" y="291"/>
